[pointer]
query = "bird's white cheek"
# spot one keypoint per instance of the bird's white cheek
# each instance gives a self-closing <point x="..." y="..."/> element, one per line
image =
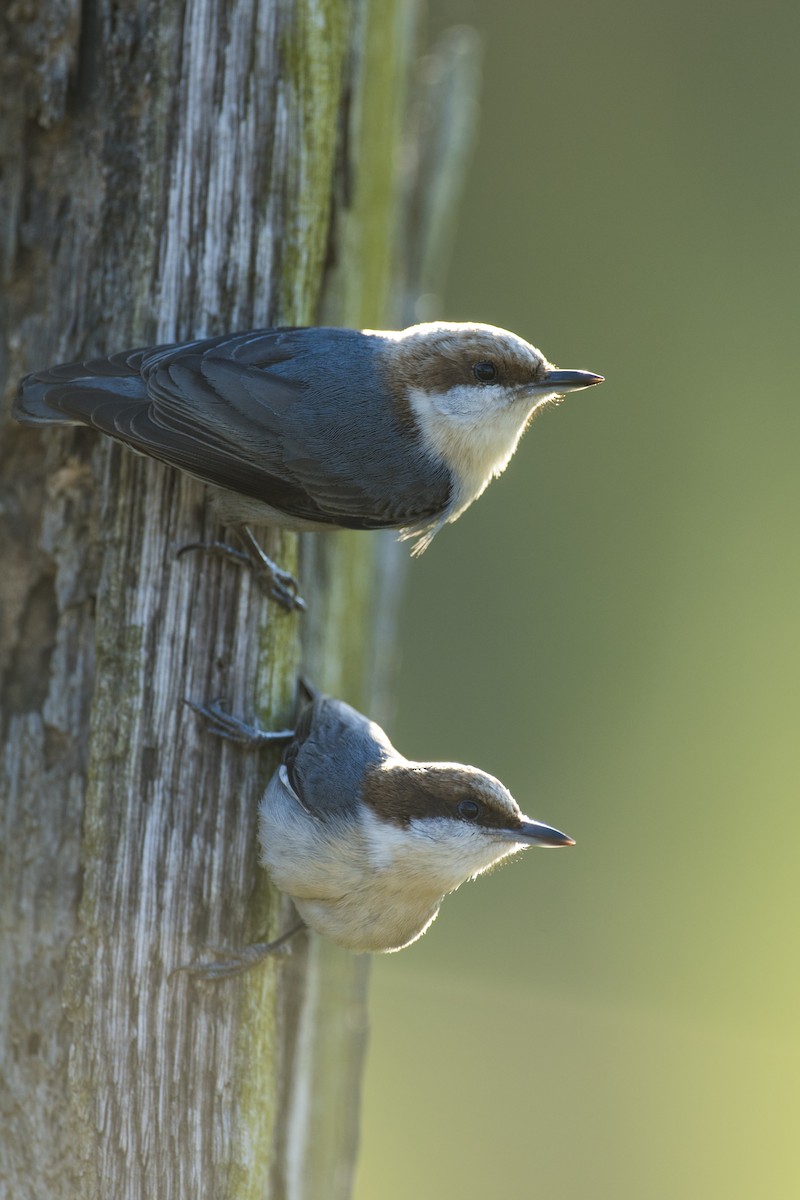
<point x="452" y="851"/>
<point x="498" y="853"/>
<point x="474" y="431"/>
<point x="427" y="857"/>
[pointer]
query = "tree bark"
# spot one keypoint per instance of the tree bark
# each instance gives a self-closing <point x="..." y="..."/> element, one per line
<point x="170" y="170"/>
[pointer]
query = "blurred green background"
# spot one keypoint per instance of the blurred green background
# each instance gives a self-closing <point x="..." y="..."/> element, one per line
<point x="612" y="630"/>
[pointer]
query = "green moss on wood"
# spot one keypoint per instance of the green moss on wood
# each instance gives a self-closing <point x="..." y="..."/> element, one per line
<point x="313" y="60"/>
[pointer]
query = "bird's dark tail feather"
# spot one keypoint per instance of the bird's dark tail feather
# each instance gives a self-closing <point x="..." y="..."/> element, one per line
<point x="306" y="691"/>
<point x="71" y="393"/>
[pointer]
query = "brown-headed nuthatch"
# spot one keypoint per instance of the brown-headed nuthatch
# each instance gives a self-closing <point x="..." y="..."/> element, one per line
<point x="366" y="842"/>
<point x="318" y="428"/>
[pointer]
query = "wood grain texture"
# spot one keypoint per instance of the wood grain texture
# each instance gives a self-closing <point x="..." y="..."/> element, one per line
<point x="167" y="170"/>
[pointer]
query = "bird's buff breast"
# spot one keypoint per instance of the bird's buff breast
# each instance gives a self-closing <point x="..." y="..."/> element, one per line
<point x="328" y="870"/>
<point x="473" y="437"/>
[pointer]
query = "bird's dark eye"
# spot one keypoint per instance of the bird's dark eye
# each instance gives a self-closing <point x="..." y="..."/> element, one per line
<point x="484" y="372"/>
<point x="468" y="809"/>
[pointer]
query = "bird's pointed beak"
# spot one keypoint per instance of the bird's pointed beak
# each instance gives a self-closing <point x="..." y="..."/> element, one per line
<point x="568" y="381"/>
<point x="534" y="833"/>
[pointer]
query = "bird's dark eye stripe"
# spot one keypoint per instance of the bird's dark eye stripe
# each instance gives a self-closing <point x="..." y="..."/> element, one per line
<point x="484" y="372"/>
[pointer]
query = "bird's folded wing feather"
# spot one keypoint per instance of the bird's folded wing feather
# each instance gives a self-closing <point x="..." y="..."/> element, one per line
<point x="332" y="748"/>
<point x="216" y="410"/>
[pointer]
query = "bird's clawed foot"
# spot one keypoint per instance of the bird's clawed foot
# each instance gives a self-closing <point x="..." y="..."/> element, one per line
<point x="235" y="962"/>
<point x="276" y="582"/>
<point x="224" y="725"/>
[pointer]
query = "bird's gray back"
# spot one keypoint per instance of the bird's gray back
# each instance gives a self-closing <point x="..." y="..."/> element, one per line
<point x="333" y="747"/>
<point x="299" y="419"/>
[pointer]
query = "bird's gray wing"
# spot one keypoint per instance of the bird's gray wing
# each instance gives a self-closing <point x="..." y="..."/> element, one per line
<point x="332" y="747"/>
<point x="295" y="418"/>
<point x="229" y="423"/>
